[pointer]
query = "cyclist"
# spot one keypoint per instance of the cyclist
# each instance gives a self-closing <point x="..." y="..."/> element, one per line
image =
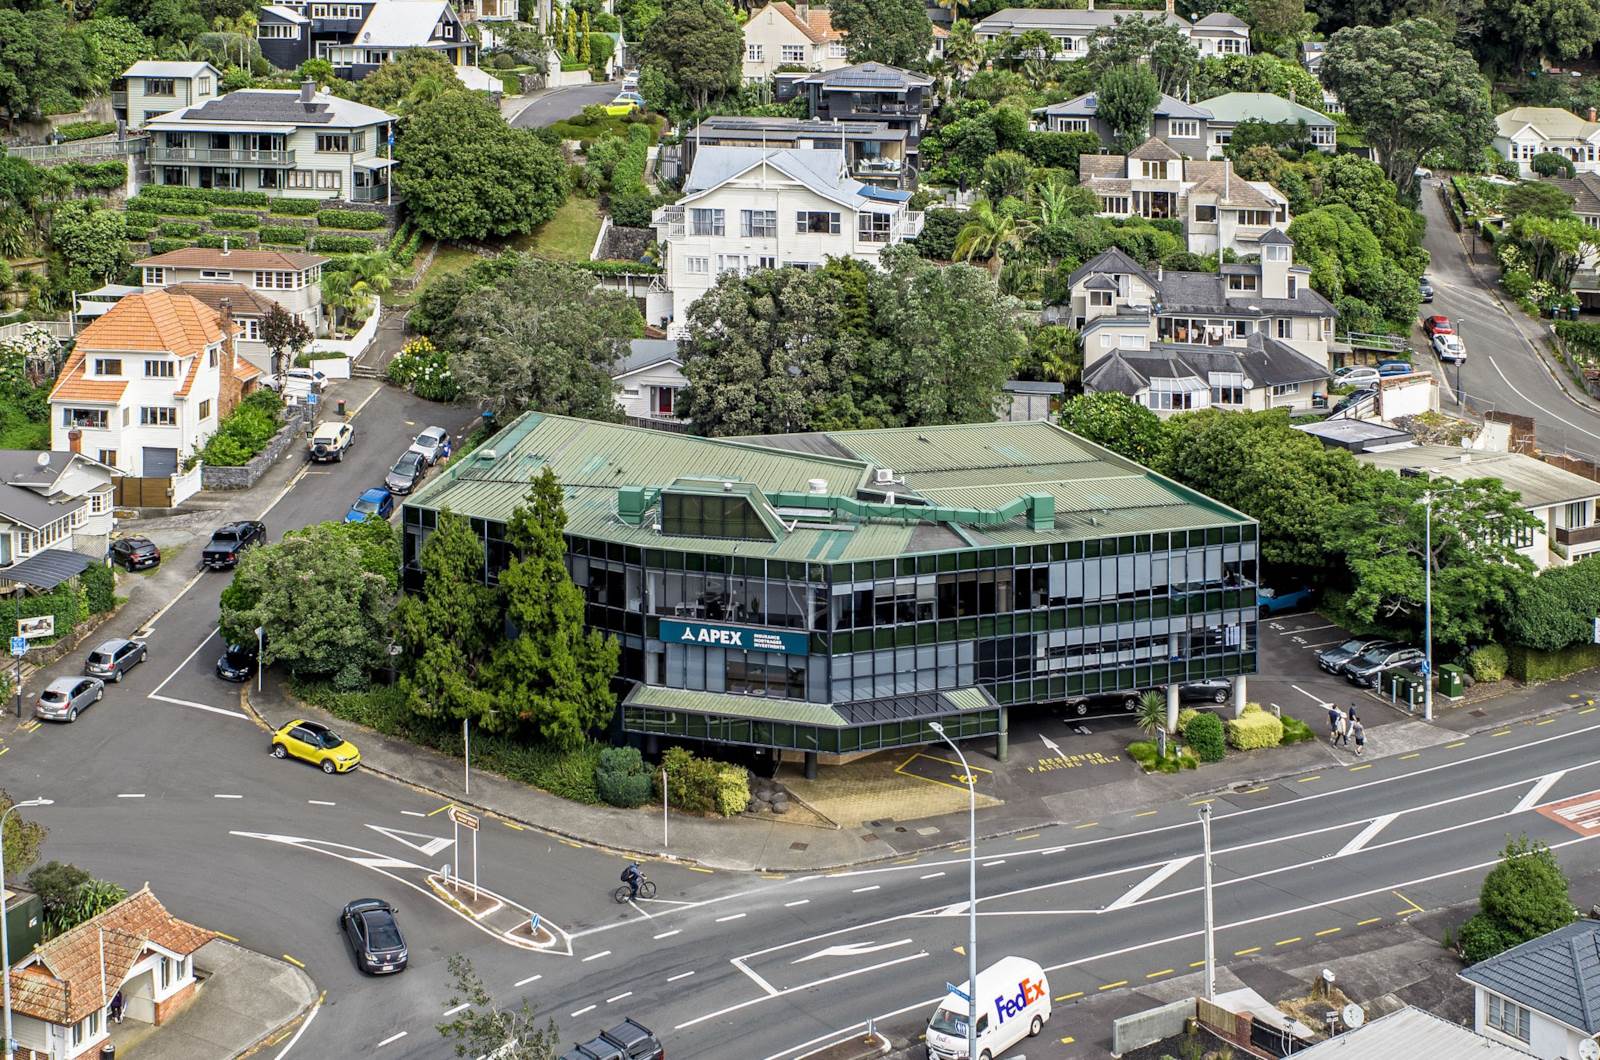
<point x="632" y="877"/>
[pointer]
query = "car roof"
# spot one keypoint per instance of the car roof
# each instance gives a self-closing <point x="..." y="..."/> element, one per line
<point x="373" y="493"/>
<point x="409" y="456"/>
<point x="234" y="527"/>
<point x="136" y="540"/>
<point x="432" y="432"/>
<point x="64" y="684"/>
<point x="113" y="645"/>
<point x="314" y="726"/>
<point x="628" y="1032"/>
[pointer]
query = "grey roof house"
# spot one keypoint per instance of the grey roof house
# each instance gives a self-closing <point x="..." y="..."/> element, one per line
<point x="1182" y="126"/>
<point x="867" y="92"/>
<point x="53" y="500"/>
<point x="875" y="151"/>
<point x="1542" y="997"/>
<point x="1073" y="28"/>
<point x="1409" y="1032"/>
<point x="1228" y="110"/>
<point x="357" y="36"/>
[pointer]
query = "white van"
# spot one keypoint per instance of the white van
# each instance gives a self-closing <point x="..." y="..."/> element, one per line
<point x="1013" y="1004"/>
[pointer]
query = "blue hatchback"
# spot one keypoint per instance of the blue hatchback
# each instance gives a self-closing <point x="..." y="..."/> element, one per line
<point x="375" y="501"/>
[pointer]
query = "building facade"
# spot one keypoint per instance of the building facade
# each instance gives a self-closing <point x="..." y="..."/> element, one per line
<point x="149" y="89"/>
<point x="835" y="593"/>
<point x="303" y="145"/>
<point x="649" y="379"/>
<point x="875" y="152"/>
<point x="744" y="208"/>
<point x="1231" y="108"/>
<point x="1522" y="133"/>
<point x="1182" y="126"/>
<point x="357" y="36"/>
<point x="873" y="92"/>
<point x="292" y="279"/>
<point x="779" y="35"/>
<point x="54" y="500"/>
<point x="1074" y="28"/>
<point x="1542" y="997"/>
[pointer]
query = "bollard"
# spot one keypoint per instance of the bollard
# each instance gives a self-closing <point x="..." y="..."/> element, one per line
<point x="341" y="407"/>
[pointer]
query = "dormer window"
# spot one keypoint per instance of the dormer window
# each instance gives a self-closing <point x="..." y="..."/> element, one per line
<point x="108" y="366"/>
<point x="1156" y="170"/>
<point x="1100" y="298"/>
<point x="1275" y="252"/>
<point x="1237" y="282"/>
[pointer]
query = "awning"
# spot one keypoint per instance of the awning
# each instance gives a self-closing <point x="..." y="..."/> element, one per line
<point x="375" y="163"/>
<point x="48" y="569"/>
<point x="93" y="309"/>
<point x="112" y="290"/>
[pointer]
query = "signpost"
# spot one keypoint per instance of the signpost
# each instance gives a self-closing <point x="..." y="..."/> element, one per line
<point x="19" y="648"/>
<point x="470" y="821"/>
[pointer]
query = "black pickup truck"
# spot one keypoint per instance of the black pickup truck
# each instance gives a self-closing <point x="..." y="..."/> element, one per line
<point x="229" y="541"/>
<point x="628" y="1040"/>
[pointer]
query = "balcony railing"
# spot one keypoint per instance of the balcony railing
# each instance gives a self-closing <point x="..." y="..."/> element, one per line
<point x="1577" y="535"/>
<point x="163" y="155"/>
<point x="134" y="145"/>
<point x="374" y="193"/>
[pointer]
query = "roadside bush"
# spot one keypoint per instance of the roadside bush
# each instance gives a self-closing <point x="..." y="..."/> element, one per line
<point x="245" y="431"/>
<point x="1481" y="938"/>
<point x="621" y="777"/>
<point x="83" y="130"/>
<point x="1254" y="729"/>
<point x="284" y="235"/>
<point x="99" y="588"/>
<point x="702" y="785"/>
<point x="1145" y="754"/>
<point x="1526" y="664"/>
<point x="359" y="219"/>
<point x="235" y="220"/>
<point x="180" y="229"/>
<point x="1295" y="730"/>
<point x="1487" y="663"/>
<point x="424" y="369"/>
<point x="296" y="207"/>
<point x="733" y="789"/>
<point x="1204" y="736"/>
<point x="1184" y="714"/>
<point x="169" y="207"/>
<point x="343" y="244"/>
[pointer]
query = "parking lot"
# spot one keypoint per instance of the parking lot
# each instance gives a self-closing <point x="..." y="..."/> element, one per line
<point x="1291" y="680"/>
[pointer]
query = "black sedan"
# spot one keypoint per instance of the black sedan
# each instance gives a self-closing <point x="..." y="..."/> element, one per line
<point x="407" y="472"/>
<point x="374" y="936"/>
<point x="238" y="663"/>
<point x="135" y="553"/>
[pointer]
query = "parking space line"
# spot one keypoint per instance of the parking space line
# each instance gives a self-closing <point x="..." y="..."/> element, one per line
<point x="1329" y="931"/>
<point x="1413" y="754"/>
<point x="1069" y="997"/>
<point x="1308" y="629"/>
<point x="1369" y="920"/>
<point x="1245" y="953"/>
<point x="1113" y="986"/>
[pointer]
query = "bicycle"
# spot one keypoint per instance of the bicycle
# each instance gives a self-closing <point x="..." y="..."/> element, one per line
<point x="647" y="889"/>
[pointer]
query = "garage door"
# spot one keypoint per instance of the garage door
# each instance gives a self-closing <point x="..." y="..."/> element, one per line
<point x="160" y="463"/>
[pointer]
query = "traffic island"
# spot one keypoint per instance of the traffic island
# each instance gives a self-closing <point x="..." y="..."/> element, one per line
<point x="859" y="1048"/>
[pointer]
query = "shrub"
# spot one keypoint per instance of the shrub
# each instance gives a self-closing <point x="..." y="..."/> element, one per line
<point x="180" y="229"/>
<point x="621" y="777"/>
<point x="1487" y="663"/>
<point x="296" y="207"/>
<point x="359" y="219"/>
<point x="141" y="218"/>
<point x="245" y="431"/>
<point x="235" y="220"/>
<point x="219" y="196"/>
<point x="1295" y="730"/>
<point x="168" y="207"/>
<point x="1529" y="665"/>
<point x="702" y="785"/>
<point x="1481" y="938"/>
<point x="1254" y="729"/>
<point x="1204" y="736"/>
<point x="216" y="240"/>
<point x="162" y="246"/>
<point x="134" y="233"/>
<point x="283" y="235"/>
<point x="343" y="244"/>
<point x="1145" y="754"/>
<point x="733" y="790"/>
<point x="83" y="130"/>
<point x="1184" y="715"/>
<point x="424" y="369"/>
<point x="99" y="588"/>
<point x="1552" y="164"/>
<point x="96" y="176"/>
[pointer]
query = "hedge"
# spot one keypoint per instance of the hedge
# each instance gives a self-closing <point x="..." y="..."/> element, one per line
<point x="621" y="778"/>
<point x="134" y="233"/>
<point x="1580" y="334"/>
<point x="1254" y="729"/>
<point x="215" y="240"/>
<point x="217" y="196"/>
<point x="1488" y="663"/>
<point x="97" y="176"/>
<point x="1295" y="730"/>
<point x="83" y="130"/>
<point x="1529" y="664"/>
<point x="296" y="207"/>
<point x="1204" y="735"/>
<point x="343" y="244"/>
<point x="358" y="219"/>
<point x="245" y="431"/>
<point x="180" y="229"/>
<point x="169" y="207"/>
<point x="141" y="218"/>
<point x="235" y="220"/>
<point x="163" y="246"/>
<point x="284" y="235"/>
<point x="1057" y="150"/>
<point x="616" y="268"/>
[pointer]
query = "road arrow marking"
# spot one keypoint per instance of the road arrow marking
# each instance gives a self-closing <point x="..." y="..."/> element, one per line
<point x="1149" y="883"/>
<point x="1055" y="748"/>
<point x="1365" y="836"/>
<point x="428" y="849"/>
<point x="857" y="949"/>
<point x="1540" y="788"/>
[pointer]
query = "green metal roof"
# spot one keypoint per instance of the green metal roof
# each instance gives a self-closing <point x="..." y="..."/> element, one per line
<point x="725" y="704"/>
<point x="980" y="466"/>
<point x="1262" y="106"/>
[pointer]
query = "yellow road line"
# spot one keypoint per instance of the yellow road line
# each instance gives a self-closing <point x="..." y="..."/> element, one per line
<point x="3" y="750"/>
<point x="1544" y="721"/>
<point x="1158" y="975"/>
<point x="1030" y="835"/>
<point x="441" y="809"/>
<point x="697" y="868"/>
<point x="1069" y="997"/>
<point x="1415" y="908"/>
<point x="1146" y="813"/>
<point x="1307" y="780"/>
<point x="1243" y="953"/>
<point x="1357" y="769"/>
<point x="512" y="825"/>
<point x="772" y="876"/>
<point x="1453" y="746"/>
<point x="1086" y="824"/>
<point x="1202" y="802"/>
<point x="1286" y="942"/>
<point x="956" y="850"/>
<point x="224" y="934"/>
<point x="1329" y="931"/>
<point x="1413" y="754"/>
<point x="570" y="843"/>
<point x="1252" y="791"/>
<point x="1369" y="920"/>
<point x="1068" y="1040"/>
<point x="1196" y="964"/>
<point x="1502" y="732"/>
<point x="1113" y="986"/>
<point x="292" y="961"/>
<point x="1588" y="710"/>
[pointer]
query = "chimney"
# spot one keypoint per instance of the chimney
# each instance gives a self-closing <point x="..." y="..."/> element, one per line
<point x="224" y="246"/>
<point x="308" y="90"/>
<point x="1172" y="7"/>
<point x="1091" y="5"/>
<point x="229" y="388"/>
<point x="1591" y="114"/>
<point x="75" y="440"/>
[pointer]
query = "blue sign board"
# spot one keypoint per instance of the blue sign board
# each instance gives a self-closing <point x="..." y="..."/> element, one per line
<point x="951" y="988"/>
<point x="748" y="638"/>
<point x="19" y="645"/>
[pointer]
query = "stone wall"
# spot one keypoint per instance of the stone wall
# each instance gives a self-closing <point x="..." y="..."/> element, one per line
<point x="242" y="478"/>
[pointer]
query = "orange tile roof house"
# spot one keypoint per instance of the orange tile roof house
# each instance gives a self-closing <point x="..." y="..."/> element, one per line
<point x="782" y="35"/>
<point x="293" y="279"/>
<point x="147" y="384"/>
<point x="62" y="991"/>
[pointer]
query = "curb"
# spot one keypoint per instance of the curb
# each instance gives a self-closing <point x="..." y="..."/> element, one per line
<point x="302" y="1016"/>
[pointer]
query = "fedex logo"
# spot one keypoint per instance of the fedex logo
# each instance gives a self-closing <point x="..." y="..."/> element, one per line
<point x="1028" y="991"/>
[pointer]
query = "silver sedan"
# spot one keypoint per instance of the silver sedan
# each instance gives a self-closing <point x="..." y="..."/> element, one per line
<point x="64" y="697"/>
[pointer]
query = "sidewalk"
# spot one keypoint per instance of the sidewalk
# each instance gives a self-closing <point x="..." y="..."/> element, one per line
<point x="750" y="843"/>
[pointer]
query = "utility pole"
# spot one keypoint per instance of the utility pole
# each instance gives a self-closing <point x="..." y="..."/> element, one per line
<point x="1427" y="608"/>
<point x="1211" y="939"/>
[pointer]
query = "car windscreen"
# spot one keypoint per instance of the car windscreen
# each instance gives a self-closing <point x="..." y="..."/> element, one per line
<point x="947" y="1021"/>
<point x="1351" y="646"/>
<point x="366" y="506"/>
<point x="1373" y="657"/>
<point x="382" y="934"/>
<point x="238" y="656"/>
<point x="331" y="739"/>
<point x="408" y="463"/>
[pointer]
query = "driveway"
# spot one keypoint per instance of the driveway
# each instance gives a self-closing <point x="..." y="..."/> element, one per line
<point x="558" y="103"/>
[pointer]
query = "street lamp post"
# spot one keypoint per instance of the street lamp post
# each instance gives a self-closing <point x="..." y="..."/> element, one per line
<point x="1427" y="605"/>
<point x="5" y="939"/>
<point x="261" y="649"/>
<point x="972" y="894"/>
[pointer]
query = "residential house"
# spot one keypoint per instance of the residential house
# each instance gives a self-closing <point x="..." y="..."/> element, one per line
<point x="61" y="992"/>
<point x="781" y="35"/>
<point x="54" y="500"/>
<point x="1311" y="55"/>
<point x="649" y="378"/>
<point x="292" y="279"/>
<point x="1219" y="209"/>
<point x="1542" y="997"/>
<point x="1253" y="336"/>
<point x="147" y="383"/>
<point x="1030" y="399"/>
<point x="869" y="92"/>
<point x="303" y="145"/>
<point x="1074" y="28"/>
<point x="1585" y="192"/>
<point x="1523" y="132"/>
<point x="487" y="10"/>
<point x="1182" y="126"/>
<point x="1231" y="108"/>
<point x="150" y="88"/>
<point x="1566" y="504"/>
<point x="357" y="36"/>
<point x="746" y="208"/>
<point x="874" y="151"/>
<point x="1408" y="1032"/>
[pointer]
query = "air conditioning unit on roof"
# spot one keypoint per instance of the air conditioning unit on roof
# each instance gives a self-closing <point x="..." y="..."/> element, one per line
<point x="883" y="476"/>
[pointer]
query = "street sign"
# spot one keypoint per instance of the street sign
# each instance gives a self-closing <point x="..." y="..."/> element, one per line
<point x="311" y="399"/>
<point x="951" y="988"/>
<point x="19" y="646"/>
<point x="38" y="626"/>
<point x="466" y="820"/>
<point x="1423" y="669"/>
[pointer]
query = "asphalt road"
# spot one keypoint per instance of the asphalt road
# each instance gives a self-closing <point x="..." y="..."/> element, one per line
<point x="560" y="103"/>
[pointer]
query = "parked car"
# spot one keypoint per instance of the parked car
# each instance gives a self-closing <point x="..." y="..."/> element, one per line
<point x="1437" y="325"/>
<point x="314" y="742"/>
<point x="407" y="472"/>
<point x="114" y="658"/>
<point x="63" y="698"/>
<point x="628" y="1040"/>
<point x="135" y="553"/>
<point x="376" y="502"/>
<point x="1272" y="601"/>
<point x="299" y="381"/>
<point x="1103" y="702"/>
<point x="432" y="443"/>
<point x="1333" y="659"/>
<point x="1353" y="399"/>
<point x="230" y="540"/>
<point x="373" y="933"/>
<point x="1358" y="376"/>
<point x="625" y="103"/>
<point x="1425" y="288"/>
<point x="596" y="1048"/>
<point x="330" y="441"/>
<point x="1449" y="347"/>
<point x="238" y="662"/>
<point x="1368" y="668"/>
<point x="1206" y="690"/>
<point x="1393" y="368"/>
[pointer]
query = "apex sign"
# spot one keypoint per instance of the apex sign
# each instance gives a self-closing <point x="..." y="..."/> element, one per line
<point x="744" y="638"/>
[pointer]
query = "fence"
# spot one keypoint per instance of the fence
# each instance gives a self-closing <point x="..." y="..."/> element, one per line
<point x="352" y="347"/>
<point x="1151" y="1025"/>
<point x="60" y="329"/>
<point x="133" y="145"/>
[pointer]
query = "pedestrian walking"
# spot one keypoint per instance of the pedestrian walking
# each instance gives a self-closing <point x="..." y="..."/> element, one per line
<point x="1360" y="732"/>
<point x="1341" y="737"/>
<point x="1333" y="723"/>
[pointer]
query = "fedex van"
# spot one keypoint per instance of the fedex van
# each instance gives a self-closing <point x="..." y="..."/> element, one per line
<point x="1013" y="1003"/>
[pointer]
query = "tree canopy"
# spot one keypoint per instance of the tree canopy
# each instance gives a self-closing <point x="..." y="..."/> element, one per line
<point x="1127" y="99"/>
<point x="1523" y="897"/>
<point x="896" y="32"/>
<point x="44" y="64"/>
<point x="696" y="50"/>
<point x="1140" y="38"/>
<point x="412" y="78"/>
<point x="1117" y="422"/>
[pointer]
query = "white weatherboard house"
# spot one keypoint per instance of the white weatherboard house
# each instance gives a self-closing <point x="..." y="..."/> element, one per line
<point x="151" y="88"/>
<point x="1542" y="997"/>
<point x="1231" y="108"/>
<point x="1523" y="132"/>
<point x="1219" y="33"/>
<point x="781" y="35"/>
<point x="648" y="379"/>
<point x="744" y="208"/>
<point x="53" y="499"/>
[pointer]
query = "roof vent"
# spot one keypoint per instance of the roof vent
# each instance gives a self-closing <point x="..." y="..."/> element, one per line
<point x="486" y="455"/>
<point x="727" y="487"/>
<point x="817" y="486"/>
<point x="883" y="476"/>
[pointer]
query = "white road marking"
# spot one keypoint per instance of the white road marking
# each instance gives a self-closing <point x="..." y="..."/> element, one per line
<point x="725" y="919"/>
<point x="413" y="813"/>
<point x="1495" y="365"/>
<point x="168" y="605"/>
<point x="321" y="802"/>
<point x="428" y="849"/>
<point x="992" y="864"/>
<point x="1537" y="792"/>
<point x="131" y="795"/>
<point x="668" y="934"/>
<point x="227" y="796"/>
<point x="581" y="1011"/>
<point x="931" y="876"/>
<point x="857" y="949"/>
<point x="680" y="975"/>
<point x="1309" y="695"/>
<point x="156" y="695"/>
<point x="863" y="890"/>
<point x="1149" y="883"/>
<point x="392" y="1038"/>
<point x="315" y="1008"/>
<point x="640" y="909"/>
<point x="619" y="997"/>
<point x="1364" y="837"/>
<point x="1306" y="629"/>
<point x="461" y="1007"/>
<point x="530" y="979"/>
<point x="805" y="986"/>
<point x="791" y="905"/>
<point x="596" y="956"/>
<point x="738" y="962"/>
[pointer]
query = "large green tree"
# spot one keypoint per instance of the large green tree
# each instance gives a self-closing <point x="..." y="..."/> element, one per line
<point x="114" y="44"/>
<point x="1349" y="267"/>
<point x="44" y="63"/>
<point x="1411" y="91"/>
<point x="1119" y="423"/>
<point x="1139" y="37"/>
<point x="1557" y="609"/>
<point x="896" y="32"/>
<point x="696" y="49"/>
<point x="409" y="80"/>
<point x="91" y="242"/>
<point x="466" y="174"/>
<point x="170" y="23"/>
<point x="1278" y="26"/>
<point x="1523" y="897"/>
<point x="1520" y="35"/>
<point x="1261" y="72"/>
<point x="542" y="337"/>
<point x="448" y="626"/>
<point x="22" y="839"/>
<point x="1553" y="247"/>
<point x="1127" y="97"/>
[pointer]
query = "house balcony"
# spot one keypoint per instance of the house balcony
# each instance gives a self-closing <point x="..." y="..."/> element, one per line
<point x="219" y="156"/>
<point x="370" y="193"/>
<point x="351" y="26"/>
<point x="119" y="99"/>
<point x="1577" y="535"/>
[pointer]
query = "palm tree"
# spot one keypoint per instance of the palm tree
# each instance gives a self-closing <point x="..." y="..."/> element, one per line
<point x="1151" y="717"/>
<point x="989" y="234"/>
<point x="962" y="49"/>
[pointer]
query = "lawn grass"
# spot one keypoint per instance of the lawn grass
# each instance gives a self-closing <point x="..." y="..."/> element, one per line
<point x="611" y="125"/>
<point x="569" y="235"/>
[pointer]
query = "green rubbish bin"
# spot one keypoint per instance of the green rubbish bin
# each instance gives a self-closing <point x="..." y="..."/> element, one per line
<point x="1451" y="681"/>
<point x="1403" y="687"/>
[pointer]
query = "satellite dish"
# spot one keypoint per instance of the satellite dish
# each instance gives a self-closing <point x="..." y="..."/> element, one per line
<point x="43" y="459"/>
<point x="1354" y="1017"/>
<point x="1589" y="1049"/>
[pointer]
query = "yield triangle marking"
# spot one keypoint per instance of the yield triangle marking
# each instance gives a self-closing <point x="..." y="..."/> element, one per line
<point x="433" y="845"/>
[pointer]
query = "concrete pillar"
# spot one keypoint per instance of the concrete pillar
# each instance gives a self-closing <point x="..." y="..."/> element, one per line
<point x="811" y="765"/>
<point x="1001" y="742"/>
<point x="1172" y="707"/>
<point x="652" y="745"/>
<point x="1240" y="695"/>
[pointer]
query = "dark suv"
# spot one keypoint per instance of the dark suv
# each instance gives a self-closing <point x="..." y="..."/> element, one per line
<point x="1333" y="659"/>
<point x="1368" y="668"/>
<point x="230" y="540"/>
<point x="1103" y="703"/>
<point x="628" y="1040"/>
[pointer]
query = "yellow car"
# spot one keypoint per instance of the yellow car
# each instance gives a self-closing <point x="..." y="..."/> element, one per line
<point x="316" y="743"/>
<point x="625" y="103"/>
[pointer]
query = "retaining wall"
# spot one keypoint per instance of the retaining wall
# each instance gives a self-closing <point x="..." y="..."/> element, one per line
<point x="242" y="478"/>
